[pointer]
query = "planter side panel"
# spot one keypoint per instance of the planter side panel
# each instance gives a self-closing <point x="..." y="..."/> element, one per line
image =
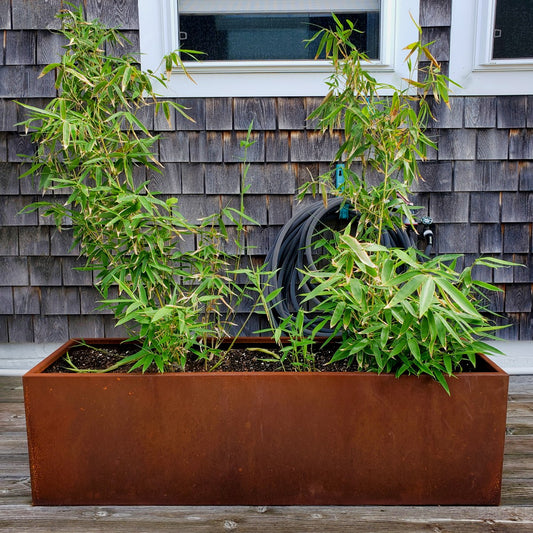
<point x="265" y="439"/>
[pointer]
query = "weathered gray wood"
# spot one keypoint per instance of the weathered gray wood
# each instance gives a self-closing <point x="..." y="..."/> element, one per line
<point x="219" y="113"/>
<point x="120" y="13"/>
<point x="261" y="519"/>
<point x="435" y="12"/>
<point x="511" y="111"/>
<point x="291" y="113"/>
<point x="480" y="112"/>
<point x="26" y="16"/>
<point x="260" y="111"/>
<point x="10" y="390"/>
<point x="20" y="47"/>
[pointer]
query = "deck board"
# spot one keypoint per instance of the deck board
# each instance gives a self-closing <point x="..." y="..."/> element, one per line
<point x="514" y="515"/>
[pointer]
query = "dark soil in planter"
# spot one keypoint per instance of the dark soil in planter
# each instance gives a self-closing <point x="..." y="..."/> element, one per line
<point x="235" y="360"/>
<point x="238" y="359"/>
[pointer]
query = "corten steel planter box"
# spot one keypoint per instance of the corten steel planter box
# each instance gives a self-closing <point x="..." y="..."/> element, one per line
<point x="264" y="438"/>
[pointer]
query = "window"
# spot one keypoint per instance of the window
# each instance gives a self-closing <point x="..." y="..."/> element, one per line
<point x="257" y="48"/>
<point x="491" y="47"/>
<point x="512" y="37"/>
<point x="250" y="31"/>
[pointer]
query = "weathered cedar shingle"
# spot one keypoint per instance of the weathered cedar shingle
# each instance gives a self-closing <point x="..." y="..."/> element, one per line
<point x="235" y="152"/>
<point x="440" y="39"/>
<point x="26" y="15"/>
<point x="60" y="300"/>
<point x="90" y="300"/>
<point x="291" y="113"/>
<point x="492" y="144"/>
<point x="219" y="114"/>
<point x="122" y="14"/>
<point x="435" y="12"/>
<point x="516" y="238"/>
<point x="194" y="207"/>
<point x="485" y="207"/>
<point x="526" y="176"/>
<point x="61" y="243"/>
<point x="457" y="144"/>
<point x="19" y="47"/>
<point x="45" y="271"/>
<point x="205" y="147"/>
<point x="192" y="179"/>
<point x="521" y="144"/>
<point x="485" y="176"/>
<point x="490" y="239"/>
<point x="516" y="207"/>
<point x="174" y="147"/>
<point x="480" y="112"/>
<point x="20" y="329"/>
<point x="26" y="300"/>
<point x="277" y="146"/>
<point x="222" y="178"/>
<point x="9" y="240"/>
<point x="311" y="103"/>
<point x="457" y="238"/>
<point x="73" y="277"/>
<point x="49" y="47"/>
<point x="19" y="81"/>
<point x="50" y="328"/>
<point x="9" y="182"/>
<point x="523" y="272"/>
<point x="8" y="115"/>
<point x="307" y="146"/>
<point x="511" y="111"/>
<point x="3" y="146"/>
<point x="260" y="111"/>
<point x="279" y="209"/>
<point x="168" y="181"/>
<point x="272" y="178"/>
<point x="10" y="208"/>
<point x="449" y="207"/>
<point x="34" y="240"/>
<point x="6" y="301"/>
<point x="5" y="14"/>
<point x="14" y="271"/>
<point x="448" y="117"/>
<point x="518" y="298"/>
<point x="194" y="108"/>
<point x="89" y="327"/>
<point x="436" y="177"/>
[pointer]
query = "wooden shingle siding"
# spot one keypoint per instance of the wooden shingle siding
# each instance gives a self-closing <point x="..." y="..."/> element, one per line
<point x="478" y="187"/>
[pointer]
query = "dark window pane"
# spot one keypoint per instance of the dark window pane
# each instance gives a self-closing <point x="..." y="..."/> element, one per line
<point x="276" y="36"/>
<point x="513" y="38"/>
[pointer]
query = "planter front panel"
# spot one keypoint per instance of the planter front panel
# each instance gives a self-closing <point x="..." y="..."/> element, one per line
<point x="265" y="439"/>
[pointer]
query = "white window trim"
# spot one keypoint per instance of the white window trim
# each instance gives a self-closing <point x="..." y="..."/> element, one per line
<point x="158" y="25"/>
<point x="471" y="63"/>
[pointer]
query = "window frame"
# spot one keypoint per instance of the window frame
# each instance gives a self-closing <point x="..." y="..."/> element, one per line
<point x="471" y="63"/>
<point x="267" y="78"/>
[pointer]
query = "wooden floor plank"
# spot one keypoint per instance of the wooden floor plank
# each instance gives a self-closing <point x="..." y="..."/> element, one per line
<point x="284" y="519"/>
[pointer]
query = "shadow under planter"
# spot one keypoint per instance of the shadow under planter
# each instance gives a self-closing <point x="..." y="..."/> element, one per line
<point x="264" y="438"/>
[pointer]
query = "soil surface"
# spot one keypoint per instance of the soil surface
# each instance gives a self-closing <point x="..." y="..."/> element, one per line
<point x="87" y="358"/>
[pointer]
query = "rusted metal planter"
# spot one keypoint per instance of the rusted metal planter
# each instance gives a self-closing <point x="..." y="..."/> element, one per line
<point x="264" y="438"/>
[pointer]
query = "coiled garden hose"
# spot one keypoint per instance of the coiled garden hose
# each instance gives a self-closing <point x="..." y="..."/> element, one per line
<point x="292" y="254"/>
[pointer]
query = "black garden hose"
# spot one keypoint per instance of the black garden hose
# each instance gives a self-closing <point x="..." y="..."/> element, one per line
<point x="292" y="254"/>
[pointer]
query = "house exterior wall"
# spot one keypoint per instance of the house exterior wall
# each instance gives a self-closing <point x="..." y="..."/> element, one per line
<point x="477" y="187"/>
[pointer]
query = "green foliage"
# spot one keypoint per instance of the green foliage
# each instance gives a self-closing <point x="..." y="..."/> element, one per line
<point x="397" y="313"/>
<point x="383" y="128"/>
<point x="393" y="310"/>
<point x="92" y="149"/>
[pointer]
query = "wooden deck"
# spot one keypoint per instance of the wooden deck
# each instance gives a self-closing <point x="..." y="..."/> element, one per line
<point x="515" y="514"/>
